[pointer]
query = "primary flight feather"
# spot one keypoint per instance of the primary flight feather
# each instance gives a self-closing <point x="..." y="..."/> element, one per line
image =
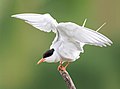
<point x="70" y="37"/>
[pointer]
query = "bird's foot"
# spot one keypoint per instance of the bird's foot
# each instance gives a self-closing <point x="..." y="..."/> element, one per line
<point x="61" y="68"/>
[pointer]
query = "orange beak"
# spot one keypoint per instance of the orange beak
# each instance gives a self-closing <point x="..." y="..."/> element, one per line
<point x="41" y="60"/>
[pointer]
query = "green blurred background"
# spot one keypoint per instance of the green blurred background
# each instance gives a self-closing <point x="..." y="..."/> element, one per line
<point x="21" y="45"/>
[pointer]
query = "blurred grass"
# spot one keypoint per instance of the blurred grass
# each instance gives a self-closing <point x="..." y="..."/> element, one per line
<point x="21" y="45"/>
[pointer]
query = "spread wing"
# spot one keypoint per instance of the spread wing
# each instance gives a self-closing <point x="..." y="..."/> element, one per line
<point x="82" y="34"/>
<point x="44" y="22"/>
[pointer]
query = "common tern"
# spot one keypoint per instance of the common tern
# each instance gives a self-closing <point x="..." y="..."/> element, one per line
<point x="70" y="37"/>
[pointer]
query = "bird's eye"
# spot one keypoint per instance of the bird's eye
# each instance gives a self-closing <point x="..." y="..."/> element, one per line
<point x="48" y="53"/>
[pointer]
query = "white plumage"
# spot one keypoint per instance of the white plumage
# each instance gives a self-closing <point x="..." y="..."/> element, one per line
<point x="70" y="37"/>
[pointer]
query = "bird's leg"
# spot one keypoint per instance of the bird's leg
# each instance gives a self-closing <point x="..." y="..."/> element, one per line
<point x="61" y="62"/>
<point x="61" y="67"/>
<point x="67" y="65"/>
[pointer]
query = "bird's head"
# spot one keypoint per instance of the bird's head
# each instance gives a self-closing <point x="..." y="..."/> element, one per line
<point x="47" y="56"/>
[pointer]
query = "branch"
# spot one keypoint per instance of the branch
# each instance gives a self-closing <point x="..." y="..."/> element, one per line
<point x="67" y="79"/>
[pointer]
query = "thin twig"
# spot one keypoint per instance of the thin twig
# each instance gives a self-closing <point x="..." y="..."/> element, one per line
<point x="67" y="79"/>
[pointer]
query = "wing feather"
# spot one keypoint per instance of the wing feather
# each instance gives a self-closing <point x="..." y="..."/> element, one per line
<point x="44" y="22"/>
<point x="83" y="34"/>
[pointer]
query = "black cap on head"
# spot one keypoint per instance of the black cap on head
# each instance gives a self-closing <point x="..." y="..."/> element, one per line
<point x="48" y="53"/>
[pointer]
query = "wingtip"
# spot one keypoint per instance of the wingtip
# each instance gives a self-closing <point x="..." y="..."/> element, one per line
<point x="109" y="43"/>
<point x="16" y="15"/>
<point x="13" y="16"/>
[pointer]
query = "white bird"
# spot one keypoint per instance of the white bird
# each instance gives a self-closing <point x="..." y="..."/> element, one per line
<point x="70" y="37"/>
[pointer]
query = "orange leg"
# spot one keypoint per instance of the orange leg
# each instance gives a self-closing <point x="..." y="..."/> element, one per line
<point x="61" y="67"/>
<point x="67" y="65"/>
